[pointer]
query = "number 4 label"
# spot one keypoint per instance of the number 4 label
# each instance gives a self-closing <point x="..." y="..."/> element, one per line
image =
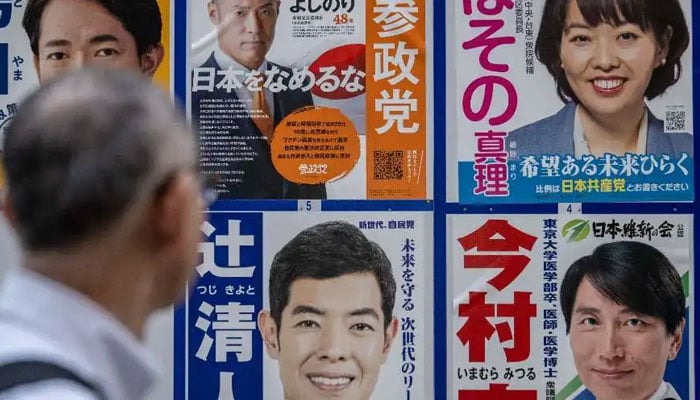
<point x="570" y="208"/>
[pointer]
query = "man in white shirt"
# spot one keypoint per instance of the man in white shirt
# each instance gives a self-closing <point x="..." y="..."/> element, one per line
<point x="103" y="192"/>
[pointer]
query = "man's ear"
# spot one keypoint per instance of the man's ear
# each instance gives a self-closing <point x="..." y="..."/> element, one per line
<point x="37" y="69"/>
<point x="151" y="59"/>
<point x="268" y="331"/>
<point x="677" y="341"/>
<point x="213" y="12"/>
<point x="166" y="220"/>
<point x="389" y="335"/>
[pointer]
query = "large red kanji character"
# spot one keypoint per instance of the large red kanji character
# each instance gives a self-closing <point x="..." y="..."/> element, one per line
<point x="498" y="235"/>
<point x="522" y="312"/>
<point x="477" y="330"/>
<point x="498" y="391"/>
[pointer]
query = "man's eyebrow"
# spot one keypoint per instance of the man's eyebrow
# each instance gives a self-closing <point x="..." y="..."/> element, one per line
<point x="586" y="310"/>
<point x="306" y="309"/>
<point x="628" y="310"/>
<point x="103" y="38"/>
<point x="270" y="3"/>
<point x="57" y="43"/>
<point x="363" y="312"/>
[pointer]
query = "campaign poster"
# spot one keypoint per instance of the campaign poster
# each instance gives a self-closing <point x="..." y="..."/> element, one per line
<point x="592" y="103"/>
<point x="331" y="335"/>
<point x="310" y="99"/>
<point x="18" y="70"/>
<point x="507" y="333"/>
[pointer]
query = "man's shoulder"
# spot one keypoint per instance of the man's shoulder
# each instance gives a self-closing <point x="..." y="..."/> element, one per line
<point x="297" y="97"/>
<point x="50" y="389"/>
<point x="210" y="62"/>
<point x="19" y="343"/>
<point x="279" y="66"/>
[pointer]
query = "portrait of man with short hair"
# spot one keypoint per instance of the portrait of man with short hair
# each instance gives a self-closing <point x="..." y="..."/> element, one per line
<point x="69" y="34"/>
<point x="330" y="323"/>
<point x="624" y="308"/>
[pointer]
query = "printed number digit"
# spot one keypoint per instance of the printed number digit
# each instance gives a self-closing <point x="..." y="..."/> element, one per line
<point x="569" y="208"/>
<point x="309" y="205"/>
<point x="341" y="19"/>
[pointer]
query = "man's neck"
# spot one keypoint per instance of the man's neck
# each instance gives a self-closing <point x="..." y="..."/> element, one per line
<point x="123" y="288"/>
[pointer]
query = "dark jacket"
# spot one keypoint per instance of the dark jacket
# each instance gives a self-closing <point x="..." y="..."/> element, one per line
<point x="233" y="148"/>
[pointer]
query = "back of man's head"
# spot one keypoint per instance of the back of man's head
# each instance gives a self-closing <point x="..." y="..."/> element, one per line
<point x="87" y="150"/>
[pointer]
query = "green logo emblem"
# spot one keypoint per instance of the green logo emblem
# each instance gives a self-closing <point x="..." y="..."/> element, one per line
<point x="576" y="230"/>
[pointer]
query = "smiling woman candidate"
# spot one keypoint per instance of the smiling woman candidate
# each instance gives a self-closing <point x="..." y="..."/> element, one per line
<point x="606" y="57"/>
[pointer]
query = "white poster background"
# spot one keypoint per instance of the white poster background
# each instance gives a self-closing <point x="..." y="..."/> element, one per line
<point x="280" y="227"/>
<point x="461" y="281"/>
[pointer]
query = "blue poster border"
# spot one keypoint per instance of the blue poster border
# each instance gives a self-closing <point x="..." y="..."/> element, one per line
<point x="440" y="207"/>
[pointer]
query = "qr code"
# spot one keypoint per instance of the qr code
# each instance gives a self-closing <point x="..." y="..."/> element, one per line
<point x="388" y="164"/>
<point x="675" y="121"/>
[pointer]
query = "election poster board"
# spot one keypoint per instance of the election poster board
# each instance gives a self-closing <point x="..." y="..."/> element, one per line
<point x="219" y="352"/>
<point x="18" y="75"/>
<point x="320" y="100"/>
<point x="507" y="334"/>
<point x="512" y="139"/>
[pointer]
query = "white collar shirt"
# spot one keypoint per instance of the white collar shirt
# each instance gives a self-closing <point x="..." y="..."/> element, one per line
<point x="665" y="391"/>
<point x="43" y="320"/>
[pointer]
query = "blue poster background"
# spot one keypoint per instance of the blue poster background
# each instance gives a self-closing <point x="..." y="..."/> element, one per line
<point x="230" y="234"/>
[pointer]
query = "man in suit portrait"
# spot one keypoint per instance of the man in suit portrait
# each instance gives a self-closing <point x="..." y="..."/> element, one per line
<point x="237" y="108"/>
